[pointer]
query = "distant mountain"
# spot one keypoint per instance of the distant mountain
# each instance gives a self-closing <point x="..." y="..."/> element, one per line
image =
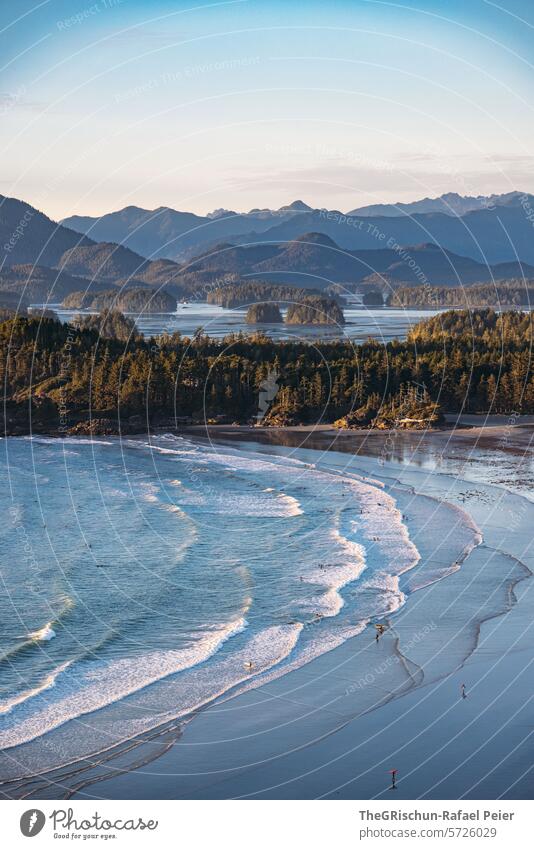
<point x="490" y="229"/>
<point x="449" y="204"/>
<point x="29" y="236"/>
<point x="176" y="235"/>
<point x="314" y="260"/>
<point x="502" y="234"/>
<point x="151" y="233"/>
<point x="61" y="257"/>
<point x="103" y="261"/>
<point x="220" y="213"/>
<point x="296" y="206"/>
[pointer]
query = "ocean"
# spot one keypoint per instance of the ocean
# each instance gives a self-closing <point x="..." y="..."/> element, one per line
<point x="361" y="323"/>
<point x="145" y="578"/>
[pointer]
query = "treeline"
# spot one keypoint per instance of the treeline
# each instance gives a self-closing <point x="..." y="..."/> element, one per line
<point x="135" y="300"/>
<point x="110" y="324"/>
<point x="476" y="361"/>
<point x="510" y="293"/>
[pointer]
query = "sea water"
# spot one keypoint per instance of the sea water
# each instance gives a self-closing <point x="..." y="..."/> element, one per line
<point x="360" y="322"/>
<point x="143" y="578"/>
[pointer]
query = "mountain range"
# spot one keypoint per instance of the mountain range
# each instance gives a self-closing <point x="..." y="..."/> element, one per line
<point x="314" y="260"/>
<point x="450" y="204"/>
<point x="295" y="244"/>
<point x="495" y="228"/>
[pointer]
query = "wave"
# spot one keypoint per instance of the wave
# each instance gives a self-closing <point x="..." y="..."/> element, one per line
<point x="389" y="597"/>
<point x="43" y="634"/>
<point x="49" y="681"/>
<point x="94" y="684"/>
<point x="350" y="546"/>
<point x="66" y="440"/>
<point x="346" y="562"/>
<point x="292" y="505"/>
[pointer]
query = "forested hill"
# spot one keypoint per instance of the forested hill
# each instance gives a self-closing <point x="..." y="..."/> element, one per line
<point x="477" y="360"/>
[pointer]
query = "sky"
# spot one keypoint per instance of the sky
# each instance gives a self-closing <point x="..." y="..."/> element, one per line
<point x="254" y="103"/>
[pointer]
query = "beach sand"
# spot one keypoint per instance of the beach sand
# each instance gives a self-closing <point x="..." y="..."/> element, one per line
<point x="334" y="727"/>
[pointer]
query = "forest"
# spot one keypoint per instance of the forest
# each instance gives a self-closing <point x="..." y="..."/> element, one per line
<point x="57" y="375"/>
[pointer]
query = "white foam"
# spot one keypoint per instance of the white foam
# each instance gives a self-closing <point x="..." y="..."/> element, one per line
<point x="43" y="634"/>
<point x="292" y="505"/>
<point x="67" y="440"/>
<point x="346" y="562"/>
<point x="173" y="508"/>
<point x="49" y="681"/>
<point x="94" y="684"/>
<point x="252" y="505"/>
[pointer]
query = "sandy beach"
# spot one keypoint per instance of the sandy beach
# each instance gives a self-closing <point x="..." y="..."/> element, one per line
<point x="335" y="726"/>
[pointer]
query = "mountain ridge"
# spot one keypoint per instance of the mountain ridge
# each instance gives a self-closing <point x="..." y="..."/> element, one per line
<point x="497" y="230"/>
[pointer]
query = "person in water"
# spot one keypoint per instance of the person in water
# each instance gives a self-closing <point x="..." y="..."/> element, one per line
<point x="464" y="694"/>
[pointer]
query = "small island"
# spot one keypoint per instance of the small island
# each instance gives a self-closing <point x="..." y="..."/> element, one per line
<point x="240" y="292"/>
<point x="315" y="309"/>
<point x="263" y="313"/>
<point x="129" y="300"/>
<point x="517" y="293"/>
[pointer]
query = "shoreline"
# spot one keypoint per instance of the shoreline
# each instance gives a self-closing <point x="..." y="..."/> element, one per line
<point x="485" y="423"/>
<point x="502" y="432"/>
<point x="126" y="782"/>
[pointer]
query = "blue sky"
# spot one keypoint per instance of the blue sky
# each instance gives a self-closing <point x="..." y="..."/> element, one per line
<point x="198" y="105"/>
